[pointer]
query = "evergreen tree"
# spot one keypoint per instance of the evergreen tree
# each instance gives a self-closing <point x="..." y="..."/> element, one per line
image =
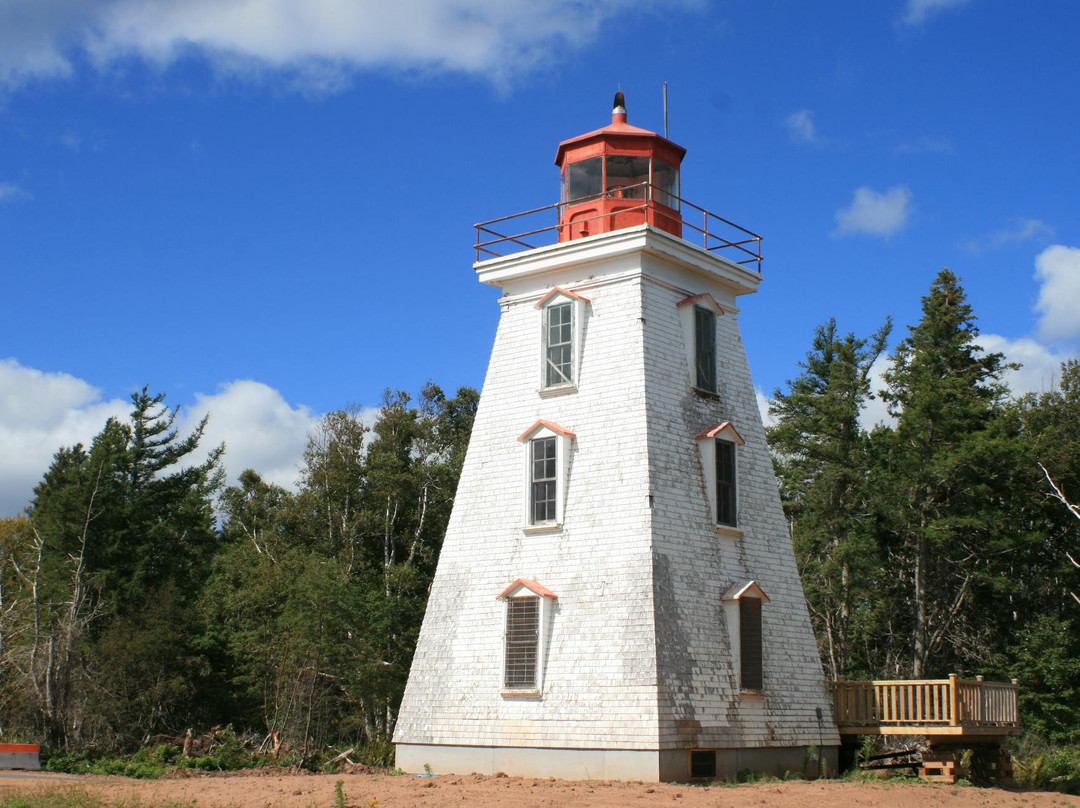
<point x="821" y="459"/>
<point x="123" y="536"/>
<point x="1037" y="639"/>
<point x="945" y="482"/>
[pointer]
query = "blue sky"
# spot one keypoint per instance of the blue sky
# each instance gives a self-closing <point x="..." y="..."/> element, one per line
<point x="265" y="209"/>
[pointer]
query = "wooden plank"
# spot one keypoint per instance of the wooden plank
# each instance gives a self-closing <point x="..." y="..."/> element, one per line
<point x="954" y="702"/>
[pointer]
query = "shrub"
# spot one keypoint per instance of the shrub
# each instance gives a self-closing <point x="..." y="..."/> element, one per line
<point x="1038" y="765"/>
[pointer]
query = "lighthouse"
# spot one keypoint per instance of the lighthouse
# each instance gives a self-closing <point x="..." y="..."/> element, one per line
<point x="617" y="595"/>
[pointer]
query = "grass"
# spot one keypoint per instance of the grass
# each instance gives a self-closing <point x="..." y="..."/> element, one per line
<point x="77" y="798"/>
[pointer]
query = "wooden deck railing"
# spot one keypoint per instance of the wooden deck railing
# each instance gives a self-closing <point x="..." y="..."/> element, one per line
<point x="930" y="703"/>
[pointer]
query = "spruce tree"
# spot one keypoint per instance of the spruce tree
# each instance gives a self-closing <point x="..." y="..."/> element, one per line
<point x="126" y="535"/>
<point x="821" y="461"/>
<point x="944" y="482"/>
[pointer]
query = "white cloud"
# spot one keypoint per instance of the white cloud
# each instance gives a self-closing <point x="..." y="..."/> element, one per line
<point x="874" y="213"/>
<point x="800" y="126"/>
<point x="319" y="42"/>
<point x="41" y="411"/>
<point x="919" y="11"/>
<point x="259" y="428"/>
<point x="1039" y="372"/>
<point x="9" y="191"/>
<point x="1040" y="366"/>
<point x="874" y="410"/>
<point x="1058" y="270"/>
<point x="1024" y="230"/>
<point x="763" y="407"/>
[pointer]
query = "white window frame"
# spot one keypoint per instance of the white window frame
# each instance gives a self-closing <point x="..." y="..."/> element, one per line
<point x="688" y="320"/>
<point x="526" y="588"/>
<point x="731" y="601"/>
<point x="555" y="297"/>
<point x="707" y="440"/>
<point x="563" y="446"/>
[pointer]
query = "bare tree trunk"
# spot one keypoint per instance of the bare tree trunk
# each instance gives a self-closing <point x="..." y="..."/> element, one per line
<point x="418" y="533"/>
<point x="389" y="518"/>
<point x="1073" y="509"/>
<point x="918" y="651"/>
<point x="52" y="677"/>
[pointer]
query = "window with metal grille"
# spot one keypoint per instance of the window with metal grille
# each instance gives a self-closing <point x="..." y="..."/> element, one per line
<point x="705" y="348"/>
<point x="543" y="479"/>
<point x="558" y="344"/>
<point x="702" y="764"/>
<point x="522" y="642"/>
<point x="750" y="656"/>
<point x="726" y="492"/>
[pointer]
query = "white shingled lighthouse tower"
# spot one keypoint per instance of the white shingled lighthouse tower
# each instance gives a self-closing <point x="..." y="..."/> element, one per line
<point x="617" y="594"/>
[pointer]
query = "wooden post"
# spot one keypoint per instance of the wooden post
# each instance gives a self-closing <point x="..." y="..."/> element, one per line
<point x="954" y="702"/>
<point x="1014" y="703"/>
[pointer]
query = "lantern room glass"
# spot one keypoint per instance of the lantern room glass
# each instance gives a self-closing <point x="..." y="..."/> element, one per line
<point x="665" y="180"/>
<point x="621" y="176"/>
<point x="583" y="179"/>
<point x="625" y="176"/>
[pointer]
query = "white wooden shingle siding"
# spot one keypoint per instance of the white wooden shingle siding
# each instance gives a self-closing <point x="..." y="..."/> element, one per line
<point x="637" y="654"/>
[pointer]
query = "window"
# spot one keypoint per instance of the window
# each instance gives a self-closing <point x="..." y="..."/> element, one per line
<point x="544" y="477"/>
<point x="625" y="176"/>
<point x="750" y="667"/>
<point x="697" y="315"/>
<point x="665" y="179"/>
<point x="522" y="642"/>
<point x="583" y="179"/>
<point x="528" y="609"/>
<point x="562" y="318"/>
<point x="705" y="348"/>
<point x="558" y="344"/>
<point x="547" y="466"/>
<point x="718" y="449"/>
<point x="743" y="611"/>
<point x="725" y="483"/>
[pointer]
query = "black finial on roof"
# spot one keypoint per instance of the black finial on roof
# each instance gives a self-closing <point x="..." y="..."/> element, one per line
<point x="620" y="102"/>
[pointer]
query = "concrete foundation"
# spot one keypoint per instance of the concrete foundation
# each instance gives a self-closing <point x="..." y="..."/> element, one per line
<point x="670" y="765"/>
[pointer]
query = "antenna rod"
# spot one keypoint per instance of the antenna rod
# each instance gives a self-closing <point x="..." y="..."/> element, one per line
<point x="665" y="110"/>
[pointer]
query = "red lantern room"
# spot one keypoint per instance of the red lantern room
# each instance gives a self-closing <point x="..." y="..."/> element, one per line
<point x="617" y="177"/>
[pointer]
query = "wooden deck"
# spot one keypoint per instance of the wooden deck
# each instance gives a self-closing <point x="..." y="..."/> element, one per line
<point x="945" y="710"/>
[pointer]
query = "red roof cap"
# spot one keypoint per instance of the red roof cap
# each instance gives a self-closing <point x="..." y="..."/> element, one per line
<point x="532" y="586"/>
<point x="620" y="132"/>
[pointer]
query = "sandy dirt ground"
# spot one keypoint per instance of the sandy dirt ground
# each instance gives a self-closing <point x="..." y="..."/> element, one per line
<point x="261" y="790"/>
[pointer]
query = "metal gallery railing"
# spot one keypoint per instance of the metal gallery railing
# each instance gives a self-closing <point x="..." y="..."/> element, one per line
<point x="534" y="228"/>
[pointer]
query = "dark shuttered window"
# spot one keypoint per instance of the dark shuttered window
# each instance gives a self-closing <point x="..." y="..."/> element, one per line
<point x="705" y="348"/>
<point x="750" y="644"/>
<point x="725" y="483"/>
<point x="522" y="642"/>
